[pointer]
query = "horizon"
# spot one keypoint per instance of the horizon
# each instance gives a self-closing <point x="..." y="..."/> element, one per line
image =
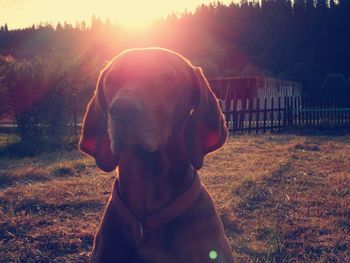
<point x="19" y="14"/>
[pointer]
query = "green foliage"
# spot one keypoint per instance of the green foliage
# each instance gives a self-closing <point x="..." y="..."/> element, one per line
<point x="40" y="95"/>
<point x="4" y="61"/>
<point x="32" y="100"/>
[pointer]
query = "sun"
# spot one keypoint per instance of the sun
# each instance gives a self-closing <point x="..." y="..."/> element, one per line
<point x="134" y="14"/>
<point x="137" y="17"/>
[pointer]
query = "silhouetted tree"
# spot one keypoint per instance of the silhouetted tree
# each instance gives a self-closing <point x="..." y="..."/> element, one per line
<point x="59" y="27"/>
<point x="299" y="7"/>
<point x="309" y="5"/>
<point x="321" y="4"/>
<point x="332" y="4"/>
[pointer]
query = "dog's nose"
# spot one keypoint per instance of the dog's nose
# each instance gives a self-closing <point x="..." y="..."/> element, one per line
<point x="124" y="107"/>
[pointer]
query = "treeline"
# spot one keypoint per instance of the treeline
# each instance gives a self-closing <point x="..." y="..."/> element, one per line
<point x="303" y="40"/>
<point x="307" y="41"/>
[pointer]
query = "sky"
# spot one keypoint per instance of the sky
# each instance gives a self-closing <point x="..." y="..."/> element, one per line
<point x="24" y="13"/>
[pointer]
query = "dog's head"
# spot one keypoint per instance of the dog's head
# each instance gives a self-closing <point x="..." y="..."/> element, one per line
<point x="145" y="96"/>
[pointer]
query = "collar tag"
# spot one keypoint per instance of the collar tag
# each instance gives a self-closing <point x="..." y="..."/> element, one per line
<point x="137" y="231"/>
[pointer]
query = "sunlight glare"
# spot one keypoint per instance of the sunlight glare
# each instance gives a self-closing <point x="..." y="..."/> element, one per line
<point x="133" y="14"/>
<point x="137" y="15"/>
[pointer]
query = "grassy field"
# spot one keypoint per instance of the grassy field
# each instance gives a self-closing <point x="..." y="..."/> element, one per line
<point x="281" y="198"/>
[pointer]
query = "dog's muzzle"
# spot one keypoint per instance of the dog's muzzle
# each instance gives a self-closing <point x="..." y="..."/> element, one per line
<point x="125" y="108"/>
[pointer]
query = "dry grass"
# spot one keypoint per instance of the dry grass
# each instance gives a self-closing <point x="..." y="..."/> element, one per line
<point x="281" y="198"/>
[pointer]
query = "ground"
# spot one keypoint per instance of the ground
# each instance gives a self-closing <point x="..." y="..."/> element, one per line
<point x="281" y="197"/>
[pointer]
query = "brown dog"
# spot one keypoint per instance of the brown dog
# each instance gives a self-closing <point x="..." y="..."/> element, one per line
<point x="155" y="117"/>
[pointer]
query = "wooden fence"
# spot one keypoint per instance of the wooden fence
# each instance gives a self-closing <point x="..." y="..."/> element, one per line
<point x="274" y="114"/>
<point x="252" y="115"/>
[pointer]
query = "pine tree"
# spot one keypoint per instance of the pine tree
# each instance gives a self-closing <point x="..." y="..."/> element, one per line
<point x="332" y="4"/>
<point x="309" y="5"/>
<point x="321" y="4"/>
<point x="299" y="6"/>
<point x="59" y="27"/>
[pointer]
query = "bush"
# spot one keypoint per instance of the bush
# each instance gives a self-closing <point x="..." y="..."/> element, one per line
<point x="45" y="120"/>
<point x="38" y="94"/>
<point x="37" y="97"/>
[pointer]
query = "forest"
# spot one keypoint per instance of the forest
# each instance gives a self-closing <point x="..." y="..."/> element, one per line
<point x="306" y="41"/>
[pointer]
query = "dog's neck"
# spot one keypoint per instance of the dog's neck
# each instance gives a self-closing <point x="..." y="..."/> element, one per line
<point x="149" y="181"/>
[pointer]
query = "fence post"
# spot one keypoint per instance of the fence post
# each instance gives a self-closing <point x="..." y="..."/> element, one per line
<point x="324" y="111"/>
<point x="338" y="107"/>
<point x="334" y="115"/>
<point x="293" y="105"/>
<point x="279" y="113"/>
<point x="250" y="109"/>
<point x="290" y="111"/>
<point x="257" y="114"/>
<point x="75" y="122"/>
<point x="243" y="113"/>
<point x="225" y="111"/>
<point x="307" y="111"/>
<point x="299" y="107"/>
<point x="342" y="110"/>
<point x="348" y="111"/>
<point x="243" y="108"/>
<point x="285" y="114"/>
<point x="241" y="116"/>
<point x="333" y="111"/>
<point x="234" y="116"/>
<point x="317" y="111"/>
<point x="313" y="113"/>
<point x="265" y="113"/>
<point x="272" y="113"/>
<point x="303" y="113"/>
<point x="311" y="110"/>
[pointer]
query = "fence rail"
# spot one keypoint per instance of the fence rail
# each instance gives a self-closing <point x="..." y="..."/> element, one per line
<point x="254" y="115"/>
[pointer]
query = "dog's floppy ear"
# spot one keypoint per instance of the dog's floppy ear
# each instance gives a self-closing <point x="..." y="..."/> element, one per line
<point x="94" y="139"/>
<point x="205" y="130"/>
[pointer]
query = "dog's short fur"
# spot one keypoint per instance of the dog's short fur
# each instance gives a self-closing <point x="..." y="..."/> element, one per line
<point x="154" y="116"/>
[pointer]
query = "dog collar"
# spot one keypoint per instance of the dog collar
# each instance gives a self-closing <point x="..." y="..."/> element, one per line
<point x="161" y="217"/>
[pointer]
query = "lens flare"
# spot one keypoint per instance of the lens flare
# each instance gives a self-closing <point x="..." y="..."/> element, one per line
<point x="213" y="254"/>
